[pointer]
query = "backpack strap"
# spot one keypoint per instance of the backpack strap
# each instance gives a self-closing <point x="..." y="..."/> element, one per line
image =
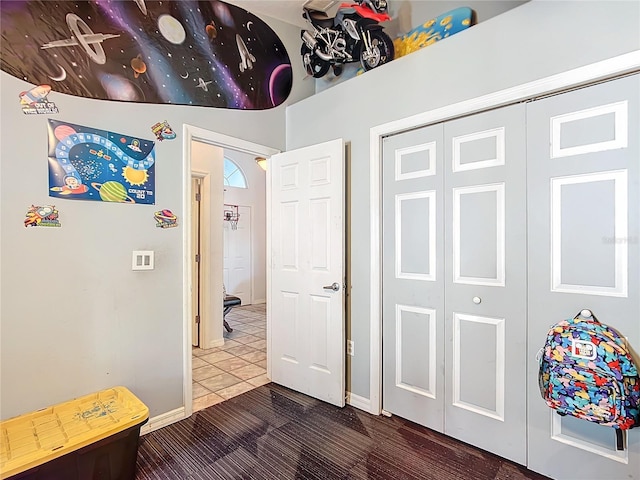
<point x="587" y="313"/>
<point x="619" y="439"/>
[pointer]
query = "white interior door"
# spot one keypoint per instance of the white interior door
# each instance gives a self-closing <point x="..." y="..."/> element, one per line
<point x="237" y="257"/>
<point x="305" y="306"/>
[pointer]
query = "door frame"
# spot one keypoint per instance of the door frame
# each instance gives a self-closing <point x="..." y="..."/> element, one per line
<point x="193" y="133"/>
<point x="205" y="245"/>
<point x="578" y="77"/>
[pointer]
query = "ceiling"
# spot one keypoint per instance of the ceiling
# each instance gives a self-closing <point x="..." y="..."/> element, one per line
<point x="288" y="11"/>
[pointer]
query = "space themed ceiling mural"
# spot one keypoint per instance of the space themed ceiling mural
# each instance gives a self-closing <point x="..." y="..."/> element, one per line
<point x="206" y="53"/>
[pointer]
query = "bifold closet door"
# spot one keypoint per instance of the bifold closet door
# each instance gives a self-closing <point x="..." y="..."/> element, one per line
<point x="485" y="281"/>
<point x="454" y="271"/>
<point x="413" y="267"/>
<point x="584" y="241"/>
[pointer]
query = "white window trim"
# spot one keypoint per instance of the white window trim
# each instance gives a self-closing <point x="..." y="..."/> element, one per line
<point x="238" y="169"/>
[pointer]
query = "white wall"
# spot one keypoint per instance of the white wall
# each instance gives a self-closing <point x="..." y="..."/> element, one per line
<point x="253" y="196"/>
<point x="530" y="42"/>
<point x="208" y="160"/>
<point x="74" y="317"/>
<point x="408" y="14"/>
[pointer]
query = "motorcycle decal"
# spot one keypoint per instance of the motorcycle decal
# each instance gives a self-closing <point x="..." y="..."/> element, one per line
<point x="353" y="35"/>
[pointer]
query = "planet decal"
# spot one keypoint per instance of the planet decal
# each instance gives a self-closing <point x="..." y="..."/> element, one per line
<point x="280" y="83"/>
<point x="120" y="88"/>
<point x="112" y="192"/>
<point x="63" y="131"/>
<point x="171" y="29"/>
<point x="223" y="14"/>
<point x="212" y="30"/>
<point x="165" y="219"/>
<point x="138" y="66"/>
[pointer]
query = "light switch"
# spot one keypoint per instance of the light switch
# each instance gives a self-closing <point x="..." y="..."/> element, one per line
<point x="142" y="260"/>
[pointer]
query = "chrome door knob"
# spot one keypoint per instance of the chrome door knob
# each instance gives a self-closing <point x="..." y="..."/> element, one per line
<point x="335" y="286"/>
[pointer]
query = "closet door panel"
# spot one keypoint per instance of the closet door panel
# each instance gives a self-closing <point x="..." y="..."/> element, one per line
<point x="413" y="295"/>
<point x="485" y="281"/>
<point x="583" y="174"/>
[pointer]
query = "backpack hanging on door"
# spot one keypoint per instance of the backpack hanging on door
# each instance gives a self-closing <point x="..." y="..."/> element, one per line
<point x="587" y="371"/>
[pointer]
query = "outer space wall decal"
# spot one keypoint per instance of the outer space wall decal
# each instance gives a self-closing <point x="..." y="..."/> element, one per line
<point x="90" y="164"/>
<point x="206" y="53"/>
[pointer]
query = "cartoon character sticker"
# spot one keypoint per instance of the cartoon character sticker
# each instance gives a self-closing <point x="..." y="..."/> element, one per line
<point x="34" y="101"/>
<point x="165" y="219"/>
<point x="72" y="185"/>
<point x="163" y="131"/>
<point x="42" y="216"/>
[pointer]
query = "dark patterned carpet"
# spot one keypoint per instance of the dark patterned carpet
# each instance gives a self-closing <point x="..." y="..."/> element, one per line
<point x="274" y="433"/>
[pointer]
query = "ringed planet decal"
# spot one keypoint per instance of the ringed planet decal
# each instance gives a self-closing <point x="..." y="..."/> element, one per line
<point x="90" y="164"/>
<point x="184" y="52"/>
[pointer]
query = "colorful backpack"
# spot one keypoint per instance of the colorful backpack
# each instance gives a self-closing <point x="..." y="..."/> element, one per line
<point x="587" y="371"/>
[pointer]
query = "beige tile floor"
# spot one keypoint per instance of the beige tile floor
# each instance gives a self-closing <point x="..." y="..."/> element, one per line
<point x="236" y="367"/>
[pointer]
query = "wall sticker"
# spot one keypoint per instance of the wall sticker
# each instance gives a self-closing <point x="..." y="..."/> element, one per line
<point x="165" y="219"/>
<point x="35" y="101"/>
<point x="163" y="131"/>
<point x="42" y="216"/>
<point x="207" y="53"/>
<point x="90" y="164"/>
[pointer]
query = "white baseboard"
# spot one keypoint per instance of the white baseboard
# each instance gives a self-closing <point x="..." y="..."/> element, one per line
<point x="358" y="402"/>
<point x="214" y="343"/>
<point x="163" y="420"/>
<point x="259" y="301"/>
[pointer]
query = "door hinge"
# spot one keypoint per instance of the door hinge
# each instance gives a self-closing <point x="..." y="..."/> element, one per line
<point x="198" y="197"/>
<point x="197" y="258"/>
<point x="197" y="318"/>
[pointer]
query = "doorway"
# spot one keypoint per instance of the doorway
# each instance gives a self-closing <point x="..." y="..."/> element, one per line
<point x="211" y="248"/>
<point x="229" y="366"/>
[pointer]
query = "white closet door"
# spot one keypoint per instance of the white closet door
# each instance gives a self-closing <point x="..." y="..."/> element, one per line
<point x="584" y="241"/>
<point x="485" y="281"/>
<point x="454" y="231"/>
<point x="413" y="276"/>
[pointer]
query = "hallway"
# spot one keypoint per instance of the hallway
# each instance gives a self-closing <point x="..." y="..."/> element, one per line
<point x="236" y="367"/>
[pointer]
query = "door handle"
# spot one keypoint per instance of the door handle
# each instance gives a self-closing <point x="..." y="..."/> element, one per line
<point x="335" y="286"/>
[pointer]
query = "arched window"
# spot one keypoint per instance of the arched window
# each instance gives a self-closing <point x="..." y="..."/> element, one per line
<point x="233" y="176"/>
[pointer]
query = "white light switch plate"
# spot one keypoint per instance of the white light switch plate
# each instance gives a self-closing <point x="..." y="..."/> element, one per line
<point x="142" y="260"/>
